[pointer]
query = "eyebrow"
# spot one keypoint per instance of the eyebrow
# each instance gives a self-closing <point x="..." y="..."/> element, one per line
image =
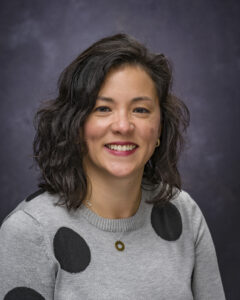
<point x="136" y="99"/>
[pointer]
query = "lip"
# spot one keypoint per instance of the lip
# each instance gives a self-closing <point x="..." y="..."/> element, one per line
<point x="121" y="153"/>
<point x="122" y="143"/>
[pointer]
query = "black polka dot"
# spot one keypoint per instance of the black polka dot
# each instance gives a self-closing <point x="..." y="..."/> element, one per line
<point x="34" y="195"/>
<point x="167" y="221"/>
<point x="23" y="293"/>
<point x="71" y="250"/>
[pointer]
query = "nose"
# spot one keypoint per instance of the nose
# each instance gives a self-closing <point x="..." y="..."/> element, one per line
<point x="122" y="124"/>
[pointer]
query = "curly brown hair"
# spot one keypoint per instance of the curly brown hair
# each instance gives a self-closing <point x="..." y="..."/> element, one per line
<point x="58" y="149"/>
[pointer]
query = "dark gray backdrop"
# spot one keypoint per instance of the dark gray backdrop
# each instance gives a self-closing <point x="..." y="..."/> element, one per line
<point x="39" y="38"/>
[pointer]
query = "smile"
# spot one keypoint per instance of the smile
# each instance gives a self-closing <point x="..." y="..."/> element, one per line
<point x="121" y="147"/>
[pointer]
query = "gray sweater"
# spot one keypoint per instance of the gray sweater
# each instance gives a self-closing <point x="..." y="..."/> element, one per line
<point x="48" y="253"/>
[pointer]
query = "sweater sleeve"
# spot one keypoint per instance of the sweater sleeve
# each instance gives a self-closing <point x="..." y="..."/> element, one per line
<point x="206" y="278"/>
<point x="26" y="271"/>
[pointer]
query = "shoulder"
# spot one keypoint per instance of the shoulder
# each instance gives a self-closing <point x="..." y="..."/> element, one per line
<point x="181" y="202"/>
<point x="185" y="203"/>
<point x="39" y="208"/>
<point x="19" y="227"/>
<point x="24" y="245"/>
<point x="191" y="215"/>
<point x="187" y="206"/>
<point x="180" y="215"/>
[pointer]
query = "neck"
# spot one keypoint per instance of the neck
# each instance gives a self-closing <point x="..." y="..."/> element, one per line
<point x="114" y="198"/>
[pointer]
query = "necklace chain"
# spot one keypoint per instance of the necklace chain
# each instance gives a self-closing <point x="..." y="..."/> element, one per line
<point x="119" y="245"/>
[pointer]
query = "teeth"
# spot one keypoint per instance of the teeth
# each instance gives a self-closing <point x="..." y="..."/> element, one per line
<point x="121" y="148"/>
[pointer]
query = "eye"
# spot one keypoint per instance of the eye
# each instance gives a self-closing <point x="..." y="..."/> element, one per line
<point x="102" y="109"/>
<point x="141" y="110"/>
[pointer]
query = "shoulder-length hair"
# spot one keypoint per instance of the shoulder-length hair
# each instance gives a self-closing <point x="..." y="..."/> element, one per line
<point x="58" y="146"/>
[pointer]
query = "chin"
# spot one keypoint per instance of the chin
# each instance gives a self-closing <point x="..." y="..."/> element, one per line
<point x="124" y="173"/>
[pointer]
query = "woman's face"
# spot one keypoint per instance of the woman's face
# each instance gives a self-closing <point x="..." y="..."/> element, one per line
<point x="122" y="130"/>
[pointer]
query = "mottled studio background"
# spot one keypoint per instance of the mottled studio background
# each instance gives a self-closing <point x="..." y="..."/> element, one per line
<point x="39" y="38"/>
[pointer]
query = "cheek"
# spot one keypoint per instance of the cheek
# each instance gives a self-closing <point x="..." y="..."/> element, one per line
<point x="151" y="132"/>
<point x="92" y="131"/>
<point x="154" y="132"/>
<point x="154" y="127"/>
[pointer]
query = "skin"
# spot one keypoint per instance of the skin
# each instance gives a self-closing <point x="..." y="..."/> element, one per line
<point x="127" y="109"/>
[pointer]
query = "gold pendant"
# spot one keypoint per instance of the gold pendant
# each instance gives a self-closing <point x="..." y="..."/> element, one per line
<point x="119" y="246"/>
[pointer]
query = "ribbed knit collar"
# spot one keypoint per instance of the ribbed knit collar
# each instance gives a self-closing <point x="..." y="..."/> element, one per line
<point x="117" y="225"/>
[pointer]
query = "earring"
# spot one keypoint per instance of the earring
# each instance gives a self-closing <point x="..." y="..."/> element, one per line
<point x="158" y="143"/>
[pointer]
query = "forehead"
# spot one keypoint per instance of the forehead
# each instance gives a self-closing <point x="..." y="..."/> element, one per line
<point x="127" y="79"/>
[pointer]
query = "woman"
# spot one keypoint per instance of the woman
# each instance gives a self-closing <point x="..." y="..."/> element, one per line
<point x="110" y="220"/>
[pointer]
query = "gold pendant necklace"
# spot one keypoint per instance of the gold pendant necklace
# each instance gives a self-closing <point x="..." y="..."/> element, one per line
<point x="119" y="245"/>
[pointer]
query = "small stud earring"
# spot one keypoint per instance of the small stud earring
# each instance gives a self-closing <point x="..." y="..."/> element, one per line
<point x="158" y="143"/>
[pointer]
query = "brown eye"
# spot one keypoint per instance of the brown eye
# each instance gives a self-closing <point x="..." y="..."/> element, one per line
<point x="102" y="109"/>
<point x="141" y="110"/>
